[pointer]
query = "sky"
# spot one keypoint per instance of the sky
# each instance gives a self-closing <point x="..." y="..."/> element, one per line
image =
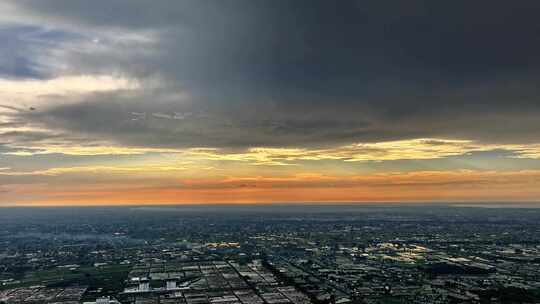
<point x="263" y="101"/>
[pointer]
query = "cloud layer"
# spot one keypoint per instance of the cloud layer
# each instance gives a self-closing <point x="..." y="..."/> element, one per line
<point x="288" y="71"/>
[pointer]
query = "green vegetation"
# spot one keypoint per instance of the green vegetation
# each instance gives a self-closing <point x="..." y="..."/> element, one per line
<point x="107" y="279"/>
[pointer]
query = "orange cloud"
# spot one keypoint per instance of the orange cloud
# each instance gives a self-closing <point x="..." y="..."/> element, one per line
<point x="422" y="186"/>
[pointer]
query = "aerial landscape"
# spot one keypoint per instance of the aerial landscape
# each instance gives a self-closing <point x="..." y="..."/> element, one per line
<point x="269" y="151"/>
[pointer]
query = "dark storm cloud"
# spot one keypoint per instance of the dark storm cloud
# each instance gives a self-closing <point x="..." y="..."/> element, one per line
<point x="109" y="116"/>
<point x="309" y="72"/>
